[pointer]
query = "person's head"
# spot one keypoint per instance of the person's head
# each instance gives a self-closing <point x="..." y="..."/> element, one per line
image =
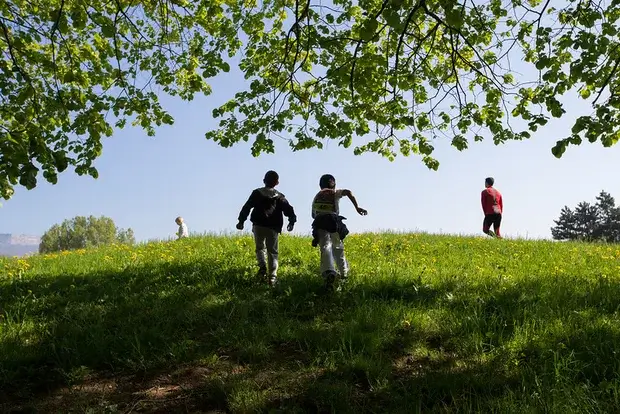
<point x="178" y="220"/>
<point x="488" y="182"/>
<point x="327" y="181"/>
<point x="271" y="179"/>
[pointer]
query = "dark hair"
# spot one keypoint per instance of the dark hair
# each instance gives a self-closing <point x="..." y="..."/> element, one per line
<point x="327" y="181"/>
<point x="489" y="181"/>
<point x="271" y="178"/>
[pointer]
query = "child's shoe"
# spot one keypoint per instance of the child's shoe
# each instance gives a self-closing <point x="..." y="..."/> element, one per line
<point x="261" y="274"/>
<point x="330" y="278"/>
<point x="272" y="280"/>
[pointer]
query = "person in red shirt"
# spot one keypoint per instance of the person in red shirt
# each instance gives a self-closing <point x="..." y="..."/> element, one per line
<point x="493" y="207"/>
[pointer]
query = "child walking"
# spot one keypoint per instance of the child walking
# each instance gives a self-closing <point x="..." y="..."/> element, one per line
<point x="182" y="233"/>
<point x="329" y="231"/>
<point x="268" y="207"/>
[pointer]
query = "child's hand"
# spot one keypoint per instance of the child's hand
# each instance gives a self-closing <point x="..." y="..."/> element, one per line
<point x="290" y="226"/>
<point x="240" y="225"/>
<point x="361" y="211"/>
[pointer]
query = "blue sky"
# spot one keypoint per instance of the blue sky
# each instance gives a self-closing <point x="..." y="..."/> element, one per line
<point x="144" y="182"/>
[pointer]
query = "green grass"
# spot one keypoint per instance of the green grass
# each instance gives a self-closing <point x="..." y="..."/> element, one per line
<point x="427" y="323"/>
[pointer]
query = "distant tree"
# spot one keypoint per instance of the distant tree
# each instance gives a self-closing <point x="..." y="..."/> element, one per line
<point x="565" y="226"/>
<point x="590" y="222"/>
<point x="82" y="232"/>
<point x="126" y="236"/>
<point x="609" y="218"/>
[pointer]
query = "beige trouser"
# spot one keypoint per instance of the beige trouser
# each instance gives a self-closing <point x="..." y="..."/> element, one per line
<point x="266" y="241"/>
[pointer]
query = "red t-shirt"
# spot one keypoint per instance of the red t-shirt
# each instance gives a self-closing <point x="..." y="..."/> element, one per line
<point x="492" y="202"/>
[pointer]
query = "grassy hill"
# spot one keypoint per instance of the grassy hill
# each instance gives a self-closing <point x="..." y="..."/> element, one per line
<point x="427" y="323"/>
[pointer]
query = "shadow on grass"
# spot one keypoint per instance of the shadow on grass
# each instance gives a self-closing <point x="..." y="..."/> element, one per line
<point x="67" y="328"/>
<point x="206" y="336"/>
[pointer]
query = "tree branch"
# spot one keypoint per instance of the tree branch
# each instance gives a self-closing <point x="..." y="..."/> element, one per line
<point x="607" y="80"/>
<point x="357" y="46"/>
<point x="420" y="4"/>
<point x="447" y="26"/>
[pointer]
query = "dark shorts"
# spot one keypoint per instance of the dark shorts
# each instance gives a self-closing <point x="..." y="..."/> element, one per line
<point x="492" y="219"/>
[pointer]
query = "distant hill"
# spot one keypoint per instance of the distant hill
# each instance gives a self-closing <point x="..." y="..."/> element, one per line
<point x="18" y="245"/>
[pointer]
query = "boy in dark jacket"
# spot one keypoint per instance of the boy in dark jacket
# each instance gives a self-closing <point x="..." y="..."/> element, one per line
<point x="267" y="205"/>
<point x="328" y="229"/>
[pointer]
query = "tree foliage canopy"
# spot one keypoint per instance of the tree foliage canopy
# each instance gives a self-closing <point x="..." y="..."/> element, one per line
<point x="82" y="232"/>
<point x="386" y="76"/>
<point x="590" y="222"/>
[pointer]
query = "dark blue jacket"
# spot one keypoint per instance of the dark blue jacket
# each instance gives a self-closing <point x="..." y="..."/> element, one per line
<point x="331" y="223"/>
<point x="267" y="205"/>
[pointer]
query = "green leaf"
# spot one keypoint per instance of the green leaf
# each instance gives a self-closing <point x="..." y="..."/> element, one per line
<point x="68" y="78"/>
<point x="542" y="63"/>
<point x="369" y="29"/>
<point x="78" y="18"/>
<point x="459" y="142"/>
<point x="392" y="18"/>
<point x="108" y="30"/>
<point x="559" y="149"/>
<point x="585" y="93"/>
<point x="454" y="18"/>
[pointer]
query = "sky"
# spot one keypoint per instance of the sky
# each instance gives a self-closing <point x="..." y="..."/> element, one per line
<point x="146" y="182"/>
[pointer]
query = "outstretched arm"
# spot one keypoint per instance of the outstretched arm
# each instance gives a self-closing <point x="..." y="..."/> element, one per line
<point x="245" y="211"/>
<point x="359" y="210"/>
<point x="289" y="212"/>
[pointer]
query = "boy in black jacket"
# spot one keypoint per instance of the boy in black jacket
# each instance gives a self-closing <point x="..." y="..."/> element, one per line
<point x="328" y="229"/>
<point x="267" y="205"/>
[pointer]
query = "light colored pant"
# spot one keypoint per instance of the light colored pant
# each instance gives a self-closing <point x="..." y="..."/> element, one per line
<point x="266" y="241"/>
<point x="332" y="250"/>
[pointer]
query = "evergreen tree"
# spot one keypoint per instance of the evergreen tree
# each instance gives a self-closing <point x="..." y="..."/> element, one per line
<point x="589" y="222"/>
<point x="609" y="218"/>
<point x="565" y="226"/>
